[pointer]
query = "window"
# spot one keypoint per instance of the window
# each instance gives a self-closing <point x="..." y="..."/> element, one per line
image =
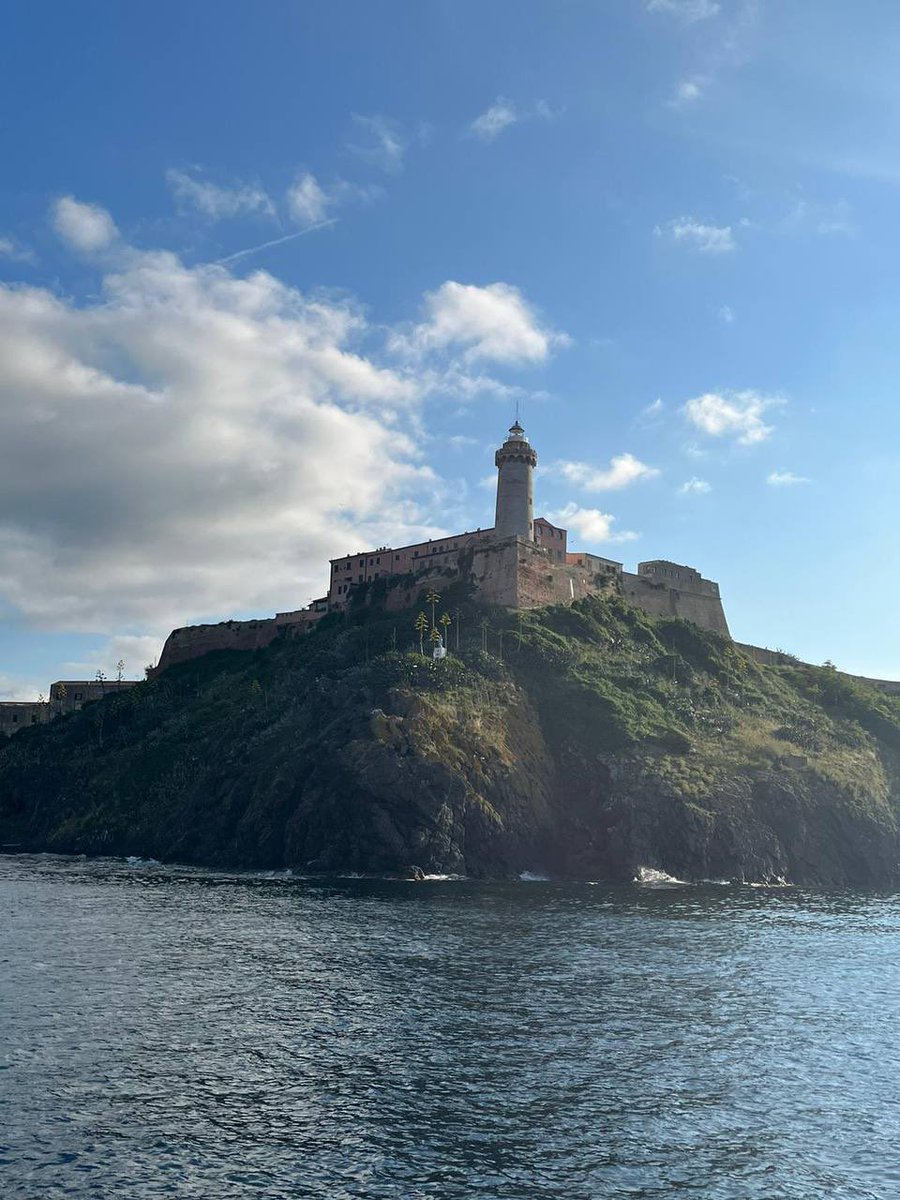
<point x="378" y="560"/>
<point x="360" y="578"/>
<point x="78" y="695"/>
<point x="396" y="558"/>
<point x="15" y="718"/>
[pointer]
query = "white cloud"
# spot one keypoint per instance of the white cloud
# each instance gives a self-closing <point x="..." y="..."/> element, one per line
<point x="491" y="123"/>
<point x="190" y="445"/>
<point x="591" y="524"/>
<point x="726" y="314"/>
<point x="193" y="445"/>
<point x="215" y="201"/>
<point x="311" y="205"/>
<point x="135" y="652"/>
<point x="492" y="322"/>
<point x="694" y="487"/>
<point x="16" y="687"/>
<point x="504" y="113"/>
<point x="686" y="10"/>
<point x="623" y="470"/>
<point x="651" y="414"/>
<point x="708" y="239"/>
<point x="84" y="227"/>
<point x="11" y="249"/>
<point x="307" y="202"/>
<point x="785" y="479"/>
<point x="383" y="142"/>
<point x="689" y="91"/>
<point x="733" y="414"/>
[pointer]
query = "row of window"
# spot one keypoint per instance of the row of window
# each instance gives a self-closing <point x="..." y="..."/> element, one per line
<point x="376" y="560"/>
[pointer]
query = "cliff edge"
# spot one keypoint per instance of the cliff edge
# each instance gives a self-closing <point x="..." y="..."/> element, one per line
<point x="584" y="741"/>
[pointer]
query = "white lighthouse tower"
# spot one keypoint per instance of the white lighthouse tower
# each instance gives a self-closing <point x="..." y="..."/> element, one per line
<point x="516" y="460"/>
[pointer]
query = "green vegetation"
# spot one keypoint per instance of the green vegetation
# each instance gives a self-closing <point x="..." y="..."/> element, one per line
<point x="587" y="740"/>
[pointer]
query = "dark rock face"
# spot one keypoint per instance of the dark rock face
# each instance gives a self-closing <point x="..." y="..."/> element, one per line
<point x="603" y="742"/>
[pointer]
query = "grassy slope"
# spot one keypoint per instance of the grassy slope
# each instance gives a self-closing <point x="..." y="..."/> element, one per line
<point x="602" y="739"/>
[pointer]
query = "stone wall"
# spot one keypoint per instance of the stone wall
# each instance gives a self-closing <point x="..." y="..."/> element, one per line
<point x="192" y="641"/>
<point x="18" y="714"/>
<point x="702" y="606"/>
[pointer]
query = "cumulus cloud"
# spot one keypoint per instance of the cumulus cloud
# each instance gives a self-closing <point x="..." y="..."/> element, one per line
<point x="190" y="444"/>
<point x="380" y="141"/>
<point x="591" y="524"/>
<point x="84" y="227"/>
<point x="694" y="487"/>
<point x="688" y="11"/>
<point x="708" y="239"/>
<point x="733" y="414"/>
<point x="623" y="470"/>
<point x="191" y="191"/>
<point x="494" y="322"/>
<point x="726" y="314"/>
<point x="785" y="479"/>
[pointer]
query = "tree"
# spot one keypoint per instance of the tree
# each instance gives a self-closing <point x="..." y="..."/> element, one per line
<point x="120" y="671"/>
<point x="421" y="626"/>
<point x="445" y="621"/>
<point x="485" y="626"/>
<point x="101" y="679"/>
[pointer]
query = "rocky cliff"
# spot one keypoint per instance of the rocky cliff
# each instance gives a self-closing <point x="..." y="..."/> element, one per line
<point x="584" y="741"/>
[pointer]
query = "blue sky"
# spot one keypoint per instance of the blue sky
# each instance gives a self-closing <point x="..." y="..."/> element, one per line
<point x="274" y="278"/>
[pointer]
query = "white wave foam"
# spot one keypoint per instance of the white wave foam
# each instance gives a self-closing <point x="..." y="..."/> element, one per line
<point x="653" y="877"/>
<point x="533" y="877"/>
<point x="133" y="860"/>
<point x="442" y="878"/>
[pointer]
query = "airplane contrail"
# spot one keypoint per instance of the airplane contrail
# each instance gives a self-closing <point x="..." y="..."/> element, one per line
<point x="275" y="242"/>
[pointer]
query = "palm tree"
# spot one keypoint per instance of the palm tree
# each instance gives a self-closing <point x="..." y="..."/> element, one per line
<point x="446" y="621"/>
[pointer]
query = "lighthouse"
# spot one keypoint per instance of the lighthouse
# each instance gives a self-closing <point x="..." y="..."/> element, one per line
<point x="515" y="460"/>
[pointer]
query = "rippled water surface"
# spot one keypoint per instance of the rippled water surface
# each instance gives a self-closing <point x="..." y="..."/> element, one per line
<point x="174" y="1032"/>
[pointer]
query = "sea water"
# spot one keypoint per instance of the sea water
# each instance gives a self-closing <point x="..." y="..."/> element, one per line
<point x="170" y="1031"/>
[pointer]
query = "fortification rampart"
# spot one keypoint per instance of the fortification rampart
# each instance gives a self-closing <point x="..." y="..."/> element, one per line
<point x="691" y="600"/>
